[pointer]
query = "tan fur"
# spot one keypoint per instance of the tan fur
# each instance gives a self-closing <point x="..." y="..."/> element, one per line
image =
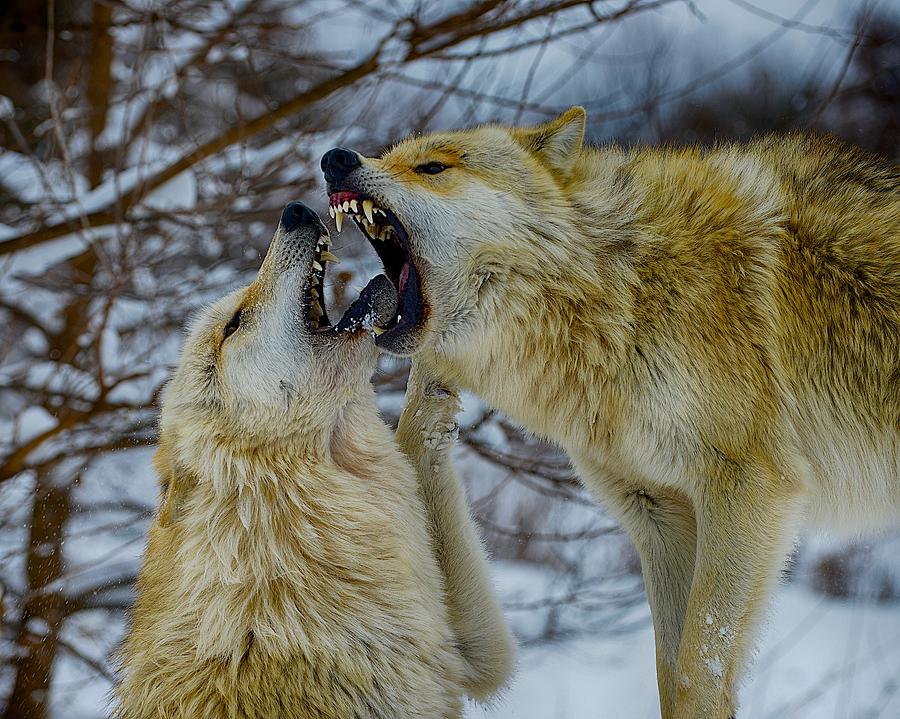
<point x="713" y="336"/>
<point x="294" y="567"/>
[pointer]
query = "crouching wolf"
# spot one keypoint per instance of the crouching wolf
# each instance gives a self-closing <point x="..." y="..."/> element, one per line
<point x="712" y="335"/>
<point x="300" y="566"/>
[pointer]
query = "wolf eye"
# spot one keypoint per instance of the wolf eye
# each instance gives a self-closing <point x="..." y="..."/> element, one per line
<point x="233" y="324"/>
<point x="431" y="168"/>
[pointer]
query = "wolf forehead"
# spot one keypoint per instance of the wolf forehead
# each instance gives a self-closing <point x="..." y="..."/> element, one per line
<point x="486" y="146"/>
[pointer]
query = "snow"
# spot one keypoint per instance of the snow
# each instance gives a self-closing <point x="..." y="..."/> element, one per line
<point x="818" y="658"/>
<point x="715" y="667"/>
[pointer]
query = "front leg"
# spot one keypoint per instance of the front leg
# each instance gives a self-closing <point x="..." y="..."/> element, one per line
<point x="745" y="522"/>
<point x="427" y="435"/>
<point x="662" y="527"/>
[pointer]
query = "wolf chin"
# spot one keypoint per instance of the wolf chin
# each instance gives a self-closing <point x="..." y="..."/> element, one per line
<point x="300" y="565"/>
<point x="712" y="334"/>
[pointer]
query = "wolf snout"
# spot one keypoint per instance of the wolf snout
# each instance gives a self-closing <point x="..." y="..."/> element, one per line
<point x="296" y="215"/>
<point x="338" y="163"/>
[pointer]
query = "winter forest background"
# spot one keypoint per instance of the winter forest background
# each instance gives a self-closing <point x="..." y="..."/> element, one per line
<point x="146" y="148"/>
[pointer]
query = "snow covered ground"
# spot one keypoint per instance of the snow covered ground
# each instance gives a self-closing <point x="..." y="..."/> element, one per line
<point x="819" y="659"/>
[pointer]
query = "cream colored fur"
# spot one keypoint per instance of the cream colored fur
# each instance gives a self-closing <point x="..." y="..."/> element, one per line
<point x="299" y="565"/>
<point x="713" y="336"/>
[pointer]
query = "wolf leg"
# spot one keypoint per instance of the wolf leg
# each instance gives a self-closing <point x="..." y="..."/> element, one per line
<point x="662" y="526"/>
<point x="427" y="435"/>
<point x="745" y="522"/>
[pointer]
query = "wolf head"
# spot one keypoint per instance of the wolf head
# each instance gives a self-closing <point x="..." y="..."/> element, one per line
<point x="454" y="215"/>
<point x="264" y="363"/>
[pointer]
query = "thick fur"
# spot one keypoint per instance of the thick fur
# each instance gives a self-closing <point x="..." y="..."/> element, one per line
<point x="713" y="336"/>
<point x="294" y="569"/>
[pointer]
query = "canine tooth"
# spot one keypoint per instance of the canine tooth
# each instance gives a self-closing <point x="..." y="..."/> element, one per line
<point x="316" y="266"/>
<point x="354" y="206"/>
<point x="330" y="256"/>
<point x="331" y="211"/>
<point x="367" y="210"/>
<point x="338" y="219"/>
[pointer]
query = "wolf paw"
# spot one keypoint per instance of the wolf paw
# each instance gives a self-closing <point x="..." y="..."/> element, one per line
<point x="441" y="436"/>
<point x="431" y="409"/>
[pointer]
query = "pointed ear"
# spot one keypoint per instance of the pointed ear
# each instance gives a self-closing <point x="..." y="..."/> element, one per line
<point x="556" y="143"/>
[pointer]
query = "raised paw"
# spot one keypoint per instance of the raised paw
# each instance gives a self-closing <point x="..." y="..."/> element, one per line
<point x="429" y="417"/>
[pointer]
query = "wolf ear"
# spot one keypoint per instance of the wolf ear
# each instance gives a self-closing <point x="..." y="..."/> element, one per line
<point x="558" y="142"/>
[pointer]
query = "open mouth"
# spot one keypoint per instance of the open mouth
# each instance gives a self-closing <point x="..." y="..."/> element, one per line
<point x="373" y="310"/>
<point x="314" y="292"/>
<point x="391" y="242"/>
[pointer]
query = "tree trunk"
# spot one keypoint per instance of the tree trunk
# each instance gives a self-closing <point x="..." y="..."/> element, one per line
<point x="45" y="607"/>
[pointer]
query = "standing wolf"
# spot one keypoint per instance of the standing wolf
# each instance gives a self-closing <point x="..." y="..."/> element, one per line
<point x="300" y="566"/>
<point x="712" y="335"/>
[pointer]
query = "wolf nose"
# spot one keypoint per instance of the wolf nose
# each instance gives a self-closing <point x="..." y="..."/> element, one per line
<point x="296" y="215"/>
<point x="338" y="163"/>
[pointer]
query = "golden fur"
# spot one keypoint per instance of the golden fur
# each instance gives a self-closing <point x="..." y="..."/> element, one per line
<point x="296" y="567"/>
<point x="712" y="334"/>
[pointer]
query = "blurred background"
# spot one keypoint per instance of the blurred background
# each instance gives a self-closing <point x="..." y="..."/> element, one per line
<point x="146" y="148"/>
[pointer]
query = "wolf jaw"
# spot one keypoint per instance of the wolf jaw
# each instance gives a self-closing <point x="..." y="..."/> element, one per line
<point x="373" y="310"/>
<point x="390" y="239"/>
<point x="314" y="290"/>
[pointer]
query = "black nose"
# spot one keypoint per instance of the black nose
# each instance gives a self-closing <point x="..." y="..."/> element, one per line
<point x="296" y="215"/>
<point x="338" y="163"/>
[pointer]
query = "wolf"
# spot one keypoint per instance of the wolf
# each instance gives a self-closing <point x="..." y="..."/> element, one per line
<point x="300" y="564"/>
<point x="713" y="335"/>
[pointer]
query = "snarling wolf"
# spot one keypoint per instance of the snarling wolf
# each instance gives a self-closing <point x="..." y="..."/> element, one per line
<point x="712" y="334"/>
<point x="300" y="566"/>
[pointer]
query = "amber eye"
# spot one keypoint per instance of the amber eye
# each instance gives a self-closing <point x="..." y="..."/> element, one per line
<point x="233" y="324"/>
<point x="431" y="168"/>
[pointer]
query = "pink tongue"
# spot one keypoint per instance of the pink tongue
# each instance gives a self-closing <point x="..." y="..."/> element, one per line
<point x="404" y="276"/>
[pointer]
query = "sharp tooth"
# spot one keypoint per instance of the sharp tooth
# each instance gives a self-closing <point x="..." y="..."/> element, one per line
<point x="338" y="220"/>
<point x="316" y="266"/>
<point x="376" y="330"/>
<point x="367" y="210"/>
<point x="331" y="211"/>
<point x="331" y="257"/>
<point x="354" y="206"/>
<point x="346" y="206"/>
<point x="314" y="292"/>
